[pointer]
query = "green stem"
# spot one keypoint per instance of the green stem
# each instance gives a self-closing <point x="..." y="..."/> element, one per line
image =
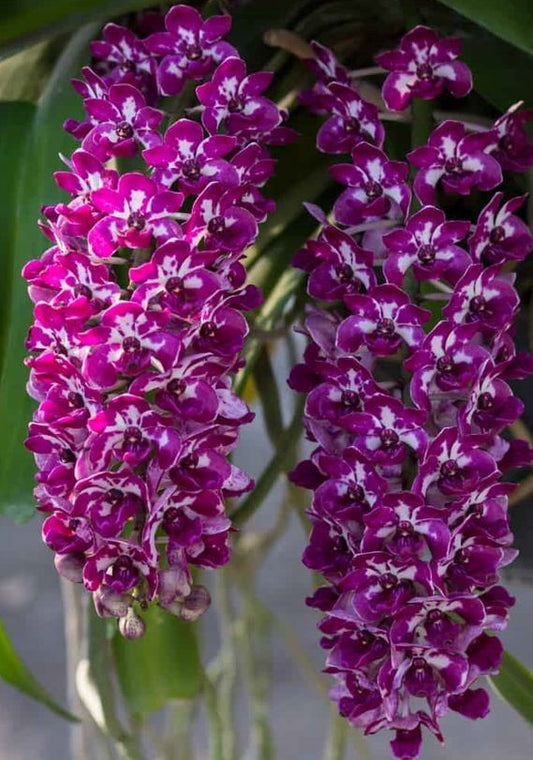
<point x="267" y="388"/>
<point x="335" y="748"/>
<point x="280" y="462"/>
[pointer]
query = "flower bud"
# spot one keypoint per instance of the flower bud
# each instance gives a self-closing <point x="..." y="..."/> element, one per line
<point x="70" y="566"/>
<point x="131" y="626"/>
<point x="108" y="603"/>
<point x="195" y="604"/>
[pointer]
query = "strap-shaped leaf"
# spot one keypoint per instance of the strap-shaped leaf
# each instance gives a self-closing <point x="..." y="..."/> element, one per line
<point x="13" y="670"/>
<point x="24" y="21"/>
<point x="161" y="666"/>
<point x="514" y="683"/>
<point x="512" y="20"/>
<point x="31" y="185"/>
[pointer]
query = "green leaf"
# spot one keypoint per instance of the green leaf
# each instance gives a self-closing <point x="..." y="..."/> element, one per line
<point x="28" y="20"/>
<point x="511" y="20"/>
<point x="13" y="670"/>
<point x="499" y="70"/>
<point x="162" y="665"/>
<point x="514" y="683"/>
<point x="33" y="186"/>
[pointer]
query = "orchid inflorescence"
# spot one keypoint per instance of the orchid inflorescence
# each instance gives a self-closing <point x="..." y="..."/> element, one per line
<point x="139" y="327"/>
<point x="409" y="514"/>
<point x="139" y="315"/>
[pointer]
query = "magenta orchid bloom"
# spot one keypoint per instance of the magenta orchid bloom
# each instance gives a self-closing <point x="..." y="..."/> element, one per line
<point x="422" y="67"/>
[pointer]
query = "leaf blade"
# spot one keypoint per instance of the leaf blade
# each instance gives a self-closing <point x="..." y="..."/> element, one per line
<point x="514" y="684"/>
<point x="512" y="20"/>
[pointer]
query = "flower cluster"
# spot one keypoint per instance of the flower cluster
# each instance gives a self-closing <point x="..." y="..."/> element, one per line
<point x="139" y="317"/>
<point x="409" y="514"/>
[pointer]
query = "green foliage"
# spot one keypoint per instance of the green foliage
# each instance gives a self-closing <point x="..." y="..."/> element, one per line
<point x="14" y="672"/>
<point x="24" y="21"/>
<point x="33" y="155"/>
<point x="511" y="20"/>
<point x="163" y="665"/>
<point x="514" y="683"/>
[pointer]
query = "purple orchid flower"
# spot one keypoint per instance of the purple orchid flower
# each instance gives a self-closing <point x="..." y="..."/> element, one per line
<point x="377" y="187"/>
<point x="233" y="99"/>
<point x="122" y="122"/>
<point x="128" y="430"/>
<point x="485" y="297"/>
<point x="386" y="427"/>
<point x="422" y="67"/>
<point x="190" y="47"/>
<point x="127" y="339"/>
<point x="427" y="245"/>
<point x="492" y="404"/>
<point x="453" y="465"/>
<point x="123" y="57"/>
<point x="134" y="214"/>
<point x="338" y="266"/>
<point x="217" y="217"/>
<point x="187" y="157"/>
<point x="404" y="526"/>
<point x="177" y="277"/>
<point x="382" y="320"/>
<point x="446" y="364"/>
<point x="110" y="499"/>
<point x="499" y="235"/>
<point x="460" y="160"/>
<point x="514" y="148"/>
<point x="120" y="566"/>
<point x="354" y="120"/>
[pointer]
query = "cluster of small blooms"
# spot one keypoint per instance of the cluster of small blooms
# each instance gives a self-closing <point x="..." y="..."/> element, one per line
<point x="139" y="317"/>
<point x="409" y="514"/>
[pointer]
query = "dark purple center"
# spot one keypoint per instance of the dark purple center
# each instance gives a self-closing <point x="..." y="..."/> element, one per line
<point x="67" y="456"/>
<point x="388" y="580"/>
<point x="507" y="144"/>
<point x="189" y="462"/>
<point x="453" y="165"/>
<point x="216" y="225"/>
<point x="485" y="401"/>
<point x="177" y="386"/>
<point x="75" y="400"/>
<point x="444" y="365"/>
<point x="386" y="327"/>
<point x="449" y="469"/>
<point x="193" y="52"/>
<point x="82" y="290"/>
<point x="174" y="285"/>
<point x="389" y="438"/>
<point x="190" y="169"/>
<point x="131" y="345"/>
<point x="124" y="130"/>
<point x="424" y="71"/>
<point x="497" y="235"/>
<point x="356" y="493"/>
<point x="208" y="330"/>
<point x="426" y="254"/>
<point x="115" y="497"/>
<point x="235" y="104"/>
<point x="136" y="221"/>
<point x="344" y="272"/>
<point x="350" y="399"/>
<point x="477" y="304"/>
<point x="373" y="189"/>
<point x="132" y="436"/>
<point x="352" y="126"/>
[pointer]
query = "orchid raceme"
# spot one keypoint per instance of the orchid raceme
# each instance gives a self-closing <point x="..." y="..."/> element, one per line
<point x="409" y="513"/>
<point x="139" y="317"/>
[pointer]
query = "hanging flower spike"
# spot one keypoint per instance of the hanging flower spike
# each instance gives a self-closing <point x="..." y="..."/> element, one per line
<point x="422" y="67"/>
<point x="409" y="517"/>
<point x="132" y="371"/>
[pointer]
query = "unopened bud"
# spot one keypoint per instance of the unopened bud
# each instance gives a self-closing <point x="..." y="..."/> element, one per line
<point x="131" y="626"/>
<point x="109" y="603"/>
<point x="195" y="604"/>
<point x="70" y="566"/>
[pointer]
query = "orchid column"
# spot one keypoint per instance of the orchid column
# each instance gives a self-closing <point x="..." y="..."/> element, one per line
<point x="407" y="405"/>
<point x="139" y="316"/>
